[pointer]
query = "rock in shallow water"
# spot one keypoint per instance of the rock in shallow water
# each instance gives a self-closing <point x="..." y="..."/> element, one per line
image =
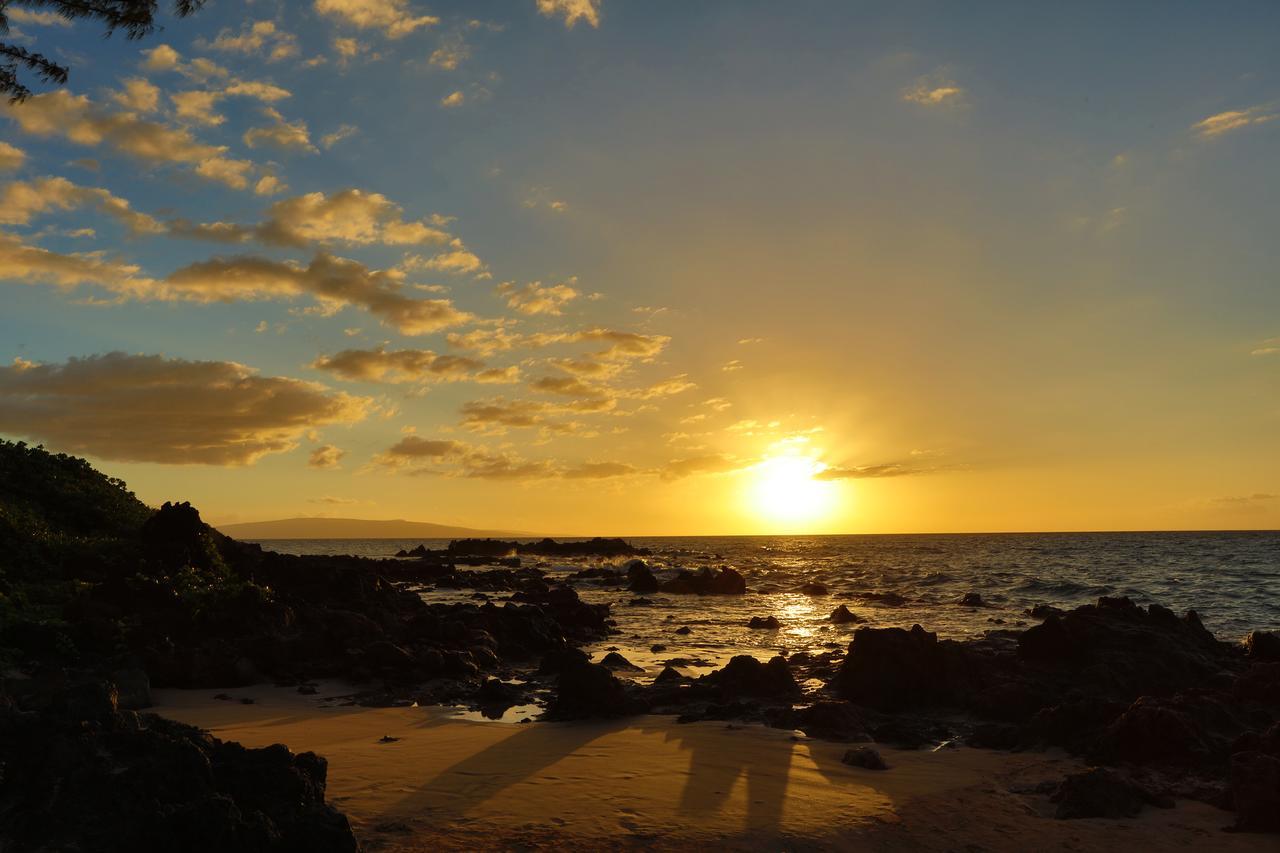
<point x="746" y="676"/>
<point x="890" y="668"/>
<point x="585" y="690"/>
<point x="613" y="660"/>
<point x="842" y="615"/>
<point x="640" y="577"/>
<point x="725" y="581"/>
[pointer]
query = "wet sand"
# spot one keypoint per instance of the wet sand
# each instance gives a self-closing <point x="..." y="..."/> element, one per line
<point x="647" y="782"/>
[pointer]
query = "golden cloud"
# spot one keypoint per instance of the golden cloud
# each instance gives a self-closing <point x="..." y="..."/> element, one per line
<point x="572" y="11"/>
<point x="534" y="298"/>
<point x="21" y="200"/>
<point x="408" y="365"/>
<point x="392" y="17"/>
<point x="148" y="408"/>
<point x="77" y="119"/>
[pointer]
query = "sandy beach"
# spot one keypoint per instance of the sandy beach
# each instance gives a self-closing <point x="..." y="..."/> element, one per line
<point x="452" y="783"/>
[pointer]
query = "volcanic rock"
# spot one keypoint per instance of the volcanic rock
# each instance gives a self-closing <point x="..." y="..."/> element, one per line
<point x="864" y="757"/>
<point x="585" y="690"/>
<point x="1099" y="792"/>
<point x="707" y="581"/>
<point x="641" y="578"/>
<point x="889" y="668"/>
<point x="613" y="660"/>
<point x="842" y="615"/>
<point x="746" y="676"/>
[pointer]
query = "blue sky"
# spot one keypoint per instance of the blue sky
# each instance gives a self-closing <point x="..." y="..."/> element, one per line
<point x="1003" y="267"/>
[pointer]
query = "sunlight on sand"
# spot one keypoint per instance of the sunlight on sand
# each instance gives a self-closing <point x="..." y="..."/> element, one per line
<point x="647" y="781"/>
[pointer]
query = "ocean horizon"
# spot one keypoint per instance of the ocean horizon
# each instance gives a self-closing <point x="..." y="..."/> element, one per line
<point x="1230" y="578"/>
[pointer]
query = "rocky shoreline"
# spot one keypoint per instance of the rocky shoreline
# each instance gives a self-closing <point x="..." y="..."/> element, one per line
<point x="104" y="598"/>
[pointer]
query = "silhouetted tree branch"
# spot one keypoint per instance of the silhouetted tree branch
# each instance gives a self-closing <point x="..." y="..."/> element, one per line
<point x="135" y="18"/>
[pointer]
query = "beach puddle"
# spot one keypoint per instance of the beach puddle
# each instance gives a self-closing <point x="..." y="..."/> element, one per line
<point x="514" y="714"/>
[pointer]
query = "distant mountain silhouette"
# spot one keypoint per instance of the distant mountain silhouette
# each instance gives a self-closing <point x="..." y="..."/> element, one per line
<point x="354" y="528"/>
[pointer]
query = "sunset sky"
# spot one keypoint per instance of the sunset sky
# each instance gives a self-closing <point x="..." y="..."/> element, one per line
<point x="632" y="267"/>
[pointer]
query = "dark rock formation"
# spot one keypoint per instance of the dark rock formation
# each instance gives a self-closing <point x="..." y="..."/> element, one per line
<point x="764" y="623"/>
<point x="596" y="547"/>
<point x="864" y="757"/>
<point x="556" y="662"/>
<point x="83" y="775"/>
<point x="814" y="588"/>
<point x="585" y="690"/>
<point x="838" y="721"/>
<point x="669" y="674"/>
<point x="842" y="615"/>
<point x="707" y="581"/>
<point x="613" y="660"/>
<point x="1263" y="646"/>
<point x="1254" y="791"/>
<point x="640" y="578"/>
<point x="746" y="676"/>
<point x="1102" y="793"/>
<point x="1185" y="730"/>
<point x="886" y="599"/>
<point x="889" y="668"/>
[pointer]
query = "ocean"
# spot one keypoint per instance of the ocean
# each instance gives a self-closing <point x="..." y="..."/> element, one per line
<point x="1231" y="579"/>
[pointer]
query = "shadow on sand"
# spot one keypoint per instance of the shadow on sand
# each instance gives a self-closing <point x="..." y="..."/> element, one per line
<point x="714" y="768"/>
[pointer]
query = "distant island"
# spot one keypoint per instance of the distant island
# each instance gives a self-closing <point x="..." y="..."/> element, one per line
<point x="354" y="528"/>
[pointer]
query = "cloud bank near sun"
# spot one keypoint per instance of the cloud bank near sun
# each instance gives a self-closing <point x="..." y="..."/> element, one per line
<point x="416" y="257"/>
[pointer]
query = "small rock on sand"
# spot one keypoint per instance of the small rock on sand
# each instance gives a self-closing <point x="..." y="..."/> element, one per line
<point x="864" y="757"/>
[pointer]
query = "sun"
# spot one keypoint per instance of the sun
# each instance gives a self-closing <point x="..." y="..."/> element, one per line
<point x="784" y="491"/>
